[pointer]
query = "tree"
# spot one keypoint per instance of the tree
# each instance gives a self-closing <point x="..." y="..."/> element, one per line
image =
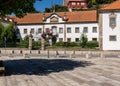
<point x="57" y="8"/>
<point x="83" y="41"/>
<point x="18" y="7"/>
<point x="95" y="3"/>
<point x="8" y="32"/>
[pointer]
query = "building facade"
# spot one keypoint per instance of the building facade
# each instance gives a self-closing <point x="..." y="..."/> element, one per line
<point x="109" y="17"/>
<point x="102" y="25"/>
<point x="69" y="26"/>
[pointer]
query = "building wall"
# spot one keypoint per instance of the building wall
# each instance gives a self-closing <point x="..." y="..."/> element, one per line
<point x="71" y="35"/>
<point x="21" y="34"/>
<point x="107" y="31"/>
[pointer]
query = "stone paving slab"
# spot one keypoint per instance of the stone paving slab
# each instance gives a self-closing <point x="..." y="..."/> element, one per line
<point x="61" y="72"/>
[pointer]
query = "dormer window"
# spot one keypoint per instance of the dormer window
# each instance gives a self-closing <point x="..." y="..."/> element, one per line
<point x="112" y="20"/>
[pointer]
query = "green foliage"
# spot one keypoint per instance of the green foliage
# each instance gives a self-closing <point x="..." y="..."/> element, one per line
<point x="92" y="44"/>
<point x="57" y="8"/>
<point x="18" y="7"/>
<point x="96" y="3"/>
<point x="8" y="32"/>
<point x="66" y="44"/>
<point x="36" y="44"/>
<point x="83" y="41"/>
<point x="61" y="44"/>
<point x="24" y="43"/>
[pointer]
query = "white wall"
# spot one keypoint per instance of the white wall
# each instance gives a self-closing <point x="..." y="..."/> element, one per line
<point x="29" y="27"/>
<point x="107" y="31"/>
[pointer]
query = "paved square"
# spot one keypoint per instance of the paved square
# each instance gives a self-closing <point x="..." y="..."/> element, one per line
<point x="62" y="72"/>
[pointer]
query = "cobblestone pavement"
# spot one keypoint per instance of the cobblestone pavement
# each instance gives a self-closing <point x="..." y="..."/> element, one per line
<point x="62" y="72"/>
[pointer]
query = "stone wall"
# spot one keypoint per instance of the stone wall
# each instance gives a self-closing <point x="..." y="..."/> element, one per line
<point x="59" y="53"/>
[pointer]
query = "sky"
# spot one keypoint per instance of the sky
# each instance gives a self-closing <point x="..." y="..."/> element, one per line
<point x="41" y="5"/>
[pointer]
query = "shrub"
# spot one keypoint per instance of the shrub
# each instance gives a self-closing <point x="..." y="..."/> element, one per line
<point x="60" y="44"/>
<point x="92" y="44"/>
<point x="83" y="41"/>
<point x="36" y="44"/>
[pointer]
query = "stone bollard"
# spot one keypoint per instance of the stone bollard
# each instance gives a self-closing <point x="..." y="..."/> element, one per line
<point x="39" y="52"/>
<point x="72" y="55"/>
<point x="87" y="55"/>
<point x="102" y="55"/>
<point x="57" y="54"/>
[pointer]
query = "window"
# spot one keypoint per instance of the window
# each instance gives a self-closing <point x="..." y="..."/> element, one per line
<point x="82" y="4"/>
<point x="112" y="38"/>
<point x="85" y="30"/>
<point x="94" y="30"/>
<point x="32" y="31"/>
<point x="60" y="39"/>
<point x="68" y="30"/>
<point x="25" y="31"/>
<point x="60" y="30"/>
<point x="76" y="39"/>
<point x="73" y="3"/>
<point x="39" y="30"/>
<point x="112" y="20"/>
<point x="94" y="39"/>
<point x="68" y="39"/>
<point x="77" y="30"/>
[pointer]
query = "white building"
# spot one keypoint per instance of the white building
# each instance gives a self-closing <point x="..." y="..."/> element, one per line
<point x="68" y="25"/>
<point x="109" y="24"/>
<point x="102" y="25"/>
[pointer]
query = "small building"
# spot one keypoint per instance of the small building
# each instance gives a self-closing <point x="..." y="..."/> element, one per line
<point x="75" y="5"/>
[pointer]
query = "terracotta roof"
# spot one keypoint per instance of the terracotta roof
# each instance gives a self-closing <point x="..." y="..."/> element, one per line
<point x="81" y="16"/>
<point x="32" y="18"/>
<point x="113" y="6"/>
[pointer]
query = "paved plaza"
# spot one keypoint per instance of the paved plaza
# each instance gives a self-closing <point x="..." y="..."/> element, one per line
<point x="61" y="72"/>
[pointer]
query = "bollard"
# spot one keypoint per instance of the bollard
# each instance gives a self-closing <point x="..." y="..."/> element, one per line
<point x="72" y="55"/>
<point x="21" y="52"/>
<point x="87" y="55"/>
<point x="13" y="52"/>
<point x="39" y="52"/>
<point x="30" y="52"/>
<point x="102" y="55"/>
<point x="57" y="54"/>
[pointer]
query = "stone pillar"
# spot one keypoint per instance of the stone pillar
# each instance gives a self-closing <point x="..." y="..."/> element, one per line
<point x="30" y="41"/>
<point x="43" y="44"/>
<point x="100" y="32"/>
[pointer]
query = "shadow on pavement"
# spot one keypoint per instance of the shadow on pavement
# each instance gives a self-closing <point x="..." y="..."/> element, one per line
<point x="41" y="66"/>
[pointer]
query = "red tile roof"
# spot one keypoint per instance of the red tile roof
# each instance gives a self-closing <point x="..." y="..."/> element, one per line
<point x="81" y="16"/>
<point x="113" y="6"/>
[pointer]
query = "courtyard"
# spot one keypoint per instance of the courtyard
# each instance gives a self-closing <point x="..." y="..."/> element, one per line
<point x="61" y="72"/>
